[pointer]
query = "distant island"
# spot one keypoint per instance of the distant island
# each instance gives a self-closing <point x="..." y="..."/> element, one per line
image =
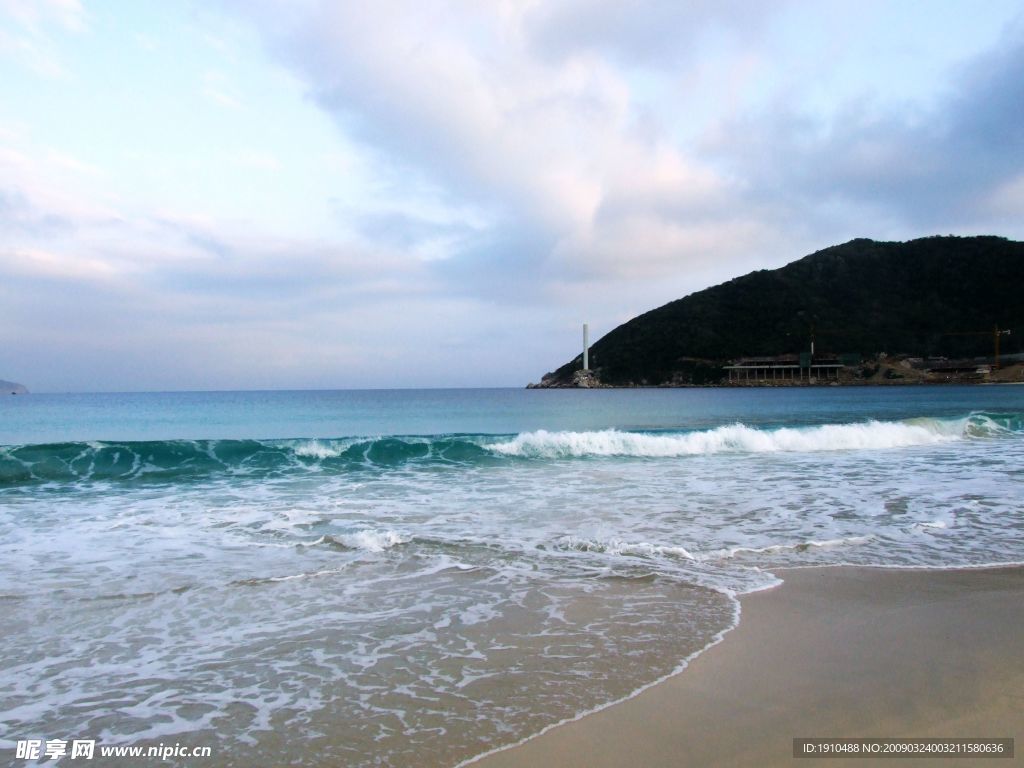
<point x="932" y="310"/>
<point x="12" y="388"/>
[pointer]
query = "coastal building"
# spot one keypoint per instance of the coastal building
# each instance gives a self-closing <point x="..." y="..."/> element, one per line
<point x="785" y="368"/>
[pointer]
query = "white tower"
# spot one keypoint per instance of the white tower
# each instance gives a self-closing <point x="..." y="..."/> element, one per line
<point x="586" y="349"/>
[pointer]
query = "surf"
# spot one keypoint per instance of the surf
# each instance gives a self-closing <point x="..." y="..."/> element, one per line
<point x="740" y="438"/>
<point x="188" y="460"/>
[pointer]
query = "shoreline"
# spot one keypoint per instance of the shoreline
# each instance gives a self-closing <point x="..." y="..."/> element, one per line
<point x="845" y="651"/>
<point x="782" y="385"/>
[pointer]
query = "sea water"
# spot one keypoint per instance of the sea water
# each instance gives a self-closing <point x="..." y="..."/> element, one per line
<point x="417" y="577"/>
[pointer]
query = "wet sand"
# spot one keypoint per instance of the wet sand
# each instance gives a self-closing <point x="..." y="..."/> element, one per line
<point x="850" y="652"/>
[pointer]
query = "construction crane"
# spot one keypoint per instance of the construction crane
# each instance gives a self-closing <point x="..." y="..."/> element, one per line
<point x="996" y="332"/>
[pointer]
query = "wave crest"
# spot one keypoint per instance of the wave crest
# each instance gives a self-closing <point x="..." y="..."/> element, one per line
<point x="739" y="438"/>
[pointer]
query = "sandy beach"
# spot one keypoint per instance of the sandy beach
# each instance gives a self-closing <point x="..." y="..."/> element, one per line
<point x="839" y="652"/>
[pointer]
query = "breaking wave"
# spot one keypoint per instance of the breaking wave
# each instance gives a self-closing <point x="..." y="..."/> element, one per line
<point x="739" y="438"/>
<point x="181" y="460"/>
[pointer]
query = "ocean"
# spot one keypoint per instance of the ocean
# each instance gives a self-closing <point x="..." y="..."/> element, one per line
<point x="416" y="577"/>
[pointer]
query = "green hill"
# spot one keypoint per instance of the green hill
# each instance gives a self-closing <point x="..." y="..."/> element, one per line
<point x="919" y="298"/>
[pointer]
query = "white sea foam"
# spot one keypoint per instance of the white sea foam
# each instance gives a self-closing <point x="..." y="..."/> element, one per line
<point x="737" y="438"/>
<point x="372" y="540"/>
<point x="317" y="449"/>
<point x="618" y="547"/>
<point x="802" y="546"/>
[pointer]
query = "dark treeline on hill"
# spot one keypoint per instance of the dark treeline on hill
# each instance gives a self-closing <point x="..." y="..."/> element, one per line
<point x="934" y="296"/>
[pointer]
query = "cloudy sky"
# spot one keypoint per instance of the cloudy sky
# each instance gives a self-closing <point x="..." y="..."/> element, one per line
<point x="201" y="195"/>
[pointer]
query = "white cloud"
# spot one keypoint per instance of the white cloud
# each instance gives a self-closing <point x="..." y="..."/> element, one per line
<point x="457" y="91"/>
<point x="655" y="34"/>
<point x="36" y="54"/>
<point x="34" y="14"/>
<point x="218" y="88"/>
<point x="36" y="262"/>
<point x="256" y="160"/>
<point x="31" y="38"/>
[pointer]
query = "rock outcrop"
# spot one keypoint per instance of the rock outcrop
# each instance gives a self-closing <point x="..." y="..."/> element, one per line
<point x="12" y="388"/>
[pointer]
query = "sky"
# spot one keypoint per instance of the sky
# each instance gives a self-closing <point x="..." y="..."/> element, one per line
<point x="287" y="195"/>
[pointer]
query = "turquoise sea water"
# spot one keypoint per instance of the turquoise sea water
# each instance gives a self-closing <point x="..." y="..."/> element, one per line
<point x="416" y="577"/>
